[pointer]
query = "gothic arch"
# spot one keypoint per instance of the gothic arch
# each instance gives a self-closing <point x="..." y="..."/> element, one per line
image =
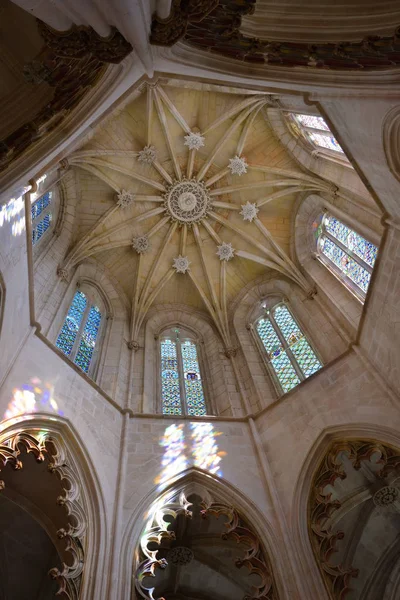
<point x="309" y="314"/>
<point x="215" y="364"/>
<point x="85" y="529"/>
<point x="391" y="140"/>
<point x="215" y="490"/>
<point x="299" y="523"/>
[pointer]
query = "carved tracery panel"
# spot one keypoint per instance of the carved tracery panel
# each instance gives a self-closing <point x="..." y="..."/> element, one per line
<point x="14" y="448"/>
<point x="194" y="543"/>
<point x="354" y="518"/>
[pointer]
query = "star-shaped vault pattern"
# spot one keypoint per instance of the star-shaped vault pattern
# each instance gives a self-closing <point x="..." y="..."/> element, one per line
<point x="186" y="200"/>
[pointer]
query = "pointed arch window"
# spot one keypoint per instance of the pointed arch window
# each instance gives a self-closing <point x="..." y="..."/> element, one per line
<point x="290" y="357"/>
<point x="182" y="390"/>
<point x="41" y="214"/>
<point x="80" y="333"/>
<point x="350" y="256"/>
<point x="317" y="131"/>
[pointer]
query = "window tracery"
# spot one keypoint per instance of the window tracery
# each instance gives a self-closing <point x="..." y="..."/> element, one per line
<point x="41" y="215"/>
<point x="316" y="131"/>
<point x="80" y="332"/>
<point x="290" y="356"/>
<point x="182" y="390"/>
<point x="346" y="253"/>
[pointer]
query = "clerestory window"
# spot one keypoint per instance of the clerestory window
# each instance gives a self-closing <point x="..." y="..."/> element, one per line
<point x="80" y="334"/>
<point x="182" y="390"/>
<point x="346" y="253"/>
<point x="289" y="355"/>
<point x="317" y="131"/>
<point x="41" y="214"/>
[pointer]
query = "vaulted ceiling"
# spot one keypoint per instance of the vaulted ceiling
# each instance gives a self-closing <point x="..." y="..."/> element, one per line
<point x="167" y="177"/>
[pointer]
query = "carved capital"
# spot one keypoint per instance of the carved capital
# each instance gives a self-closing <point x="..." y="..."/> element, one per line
<point x="133" y="345"/>
<point x="231" y="351"/>
<point x="63" y="273"/>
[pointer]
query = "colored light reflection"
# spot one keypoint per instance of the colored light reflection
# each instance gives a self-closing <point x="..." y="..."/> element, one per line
<point x="174" y="459"/>
<point x="205" y="448"/>
<point x="202" y="449"/>
<point x="30" y="398"/>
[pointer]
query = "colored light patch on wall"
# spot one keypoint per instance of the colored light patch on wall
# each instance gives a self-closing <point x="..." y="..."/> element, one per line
<point x="32" y="397"/>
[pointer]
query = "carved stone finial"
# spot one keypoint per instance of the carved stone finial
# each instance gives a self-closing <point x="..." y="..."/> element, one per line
<point x="148" y="155"/>
<point x="141" y="244"/>
<point x="225" y="251"/>
<point x="133" y="345"/>
<point x="194" y="141"/>
<point x="249" y="211"/>
<point x="125" y="199"/>
<point x="237" y="166"/>
<point x="62" y="273"/>
<point x="181" y="264"/>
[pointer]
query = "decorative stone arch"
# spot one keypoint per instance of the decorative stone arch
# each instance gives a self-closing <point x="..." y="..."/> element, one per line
<point x="300" y="511"/>
<point x="246" y="309"/>
<point x="84" y="532"/>
<point x="215" y="364"/>
<point x="391" y="140"/>
<point x="218" y="494"/>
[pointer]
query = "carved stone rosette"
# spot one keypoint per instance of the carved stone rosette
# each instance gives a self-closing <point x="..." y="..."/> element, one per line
<point x="254" y="557"/>
<point x="321" y="505"/>
<point x="35" y="442"/>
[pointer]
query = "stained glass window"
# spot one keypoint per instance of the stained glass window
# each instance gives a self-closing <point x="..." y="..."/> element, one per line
<point x="41" y="216"/>
<point x="317" y="131"/>
<point x="181" y="382"/>
<point x="351" y="256"/>
<point x="289" y="354"/>
<point x="79" y="333"/>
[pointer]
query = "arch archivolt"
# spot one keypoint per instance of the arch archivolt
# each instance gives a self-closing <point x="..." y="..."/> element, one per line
<point x="315" y="514"/>
<point x="264" y="554"/>
<point x="83" y="533"/>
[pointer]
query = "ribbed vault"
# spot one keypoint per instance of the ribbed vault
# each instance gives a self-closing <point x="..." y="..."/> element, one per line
<point x="186" y="196"/>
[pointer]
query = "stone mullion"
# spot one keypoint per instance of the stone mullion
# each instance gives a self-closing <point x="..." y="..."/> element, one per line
<point x="181" y="377"/>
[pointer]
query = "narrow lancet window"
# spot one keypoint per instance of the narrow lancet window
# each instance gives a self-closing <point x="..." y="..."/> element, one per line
<point x="79" y="335"/>
<point x="41" y="214"/>
<point x="289" y="354"/>
<point x="181" y="382"/>
<point x="346" y="253"/>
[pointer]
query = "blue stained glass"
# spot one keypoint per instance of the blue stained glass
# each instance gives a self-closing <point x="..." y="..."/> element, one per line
<point x="170" y="387"/>
<point x="352" y="240"/>
<point x="305" y="357"/>
<point x="278" y="354"/>
<point x="40" y="228"/>
<point x="195" y="402"/>
<point x="285" y="372"/>
<point x="347" y="265"/>
<point x="38" y="207"/>
<point x="269" y="338"/>
<point x="88" y="340"/>
<point x="69" y="331"/>
<point x="288" y="326"/>
<point x="325" y="141"/>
